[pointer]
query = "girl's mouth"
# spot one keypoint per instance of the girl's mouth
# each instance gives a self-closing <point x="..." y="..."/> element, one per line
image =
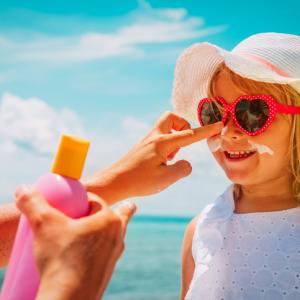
<point x="238" y="155"/>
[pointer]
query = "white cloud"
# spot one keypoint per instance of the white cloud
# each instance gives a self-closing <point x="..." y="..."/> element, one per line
<point x="134" y="128"/>
<point x="147" y="25"/>
<point x="174" y="14"/>
<point x="108" y="146"/>
<point x="33" y="124"/>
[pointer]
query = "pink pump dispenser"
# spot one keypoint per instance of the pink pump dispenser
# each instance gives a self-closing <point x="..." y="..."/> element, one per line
<point x="63" y="191"/>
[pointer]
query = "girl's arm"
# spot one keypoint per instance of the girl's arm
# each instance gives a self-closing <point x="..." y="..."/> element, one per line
<point x="9" y="219"/>
<point x="188" y="264"/>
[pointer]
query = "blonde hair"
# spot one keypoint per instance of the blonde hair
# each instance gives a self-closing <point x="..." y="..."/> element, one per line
<point x="283" y="93"/>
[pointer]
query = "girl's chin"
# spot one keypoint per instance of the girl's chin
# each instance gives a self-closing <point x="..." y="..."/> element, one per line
<point x="239" y="177"/>
<point x="240" y="171"/>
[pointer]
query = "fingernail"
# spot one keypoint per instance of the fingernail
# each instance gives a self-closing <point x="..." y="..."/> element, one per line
<point x="128" y="203"/>
<point x="21" y="189"/>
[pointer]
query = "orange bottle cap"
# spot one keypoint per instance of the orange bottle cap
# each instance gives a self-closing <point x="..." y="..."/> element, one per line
<point x="70" y="157"/>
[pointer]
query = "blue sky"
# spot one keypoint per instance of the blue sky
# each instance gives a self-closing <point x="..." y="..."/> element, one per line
<point x="104" y="69"/>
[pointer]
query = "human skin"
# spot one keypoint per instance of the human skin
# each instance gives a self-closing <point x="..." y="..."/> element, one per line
<point x="265" y="181"/>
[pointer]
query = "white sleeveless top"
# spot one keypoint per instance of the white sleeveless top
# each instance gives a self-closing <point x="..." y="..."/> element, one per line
<point x="245" y="256"/>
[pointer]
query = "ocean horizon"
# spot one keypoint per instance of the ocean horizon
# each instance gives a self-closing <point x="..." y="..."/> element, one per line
<point x="151" y="263"/>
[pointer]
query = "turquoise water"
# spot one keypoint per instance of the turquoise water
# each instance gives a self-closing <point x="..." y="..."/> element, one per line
<point x="150" y="265"/>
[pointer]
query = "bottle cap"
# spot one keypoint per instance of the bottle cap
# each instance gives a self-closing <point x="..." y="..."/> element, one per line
<point x="70" y="157"/>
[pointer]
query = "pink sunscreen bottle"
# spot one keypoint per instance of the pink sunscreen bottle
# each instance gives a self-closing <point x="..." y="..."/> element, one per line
<point x="63" y="191"/>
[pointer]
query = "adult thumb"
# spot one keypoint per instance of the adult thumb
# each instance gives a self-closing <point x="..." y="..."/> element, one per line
<point x="126" y="210"/>
<point x="178" y="170"/>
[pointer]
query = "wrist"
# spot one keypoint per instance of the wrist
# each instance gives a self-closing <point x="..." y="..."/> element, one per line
<point x="109" y="184"/>
<point x="65" y="285"/>
<point x="60" y="287"/>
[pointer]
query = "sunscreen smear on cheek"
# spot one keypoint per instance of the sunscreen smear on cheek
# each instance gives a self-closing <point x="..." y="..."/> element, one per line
<point x="261" y="148"/>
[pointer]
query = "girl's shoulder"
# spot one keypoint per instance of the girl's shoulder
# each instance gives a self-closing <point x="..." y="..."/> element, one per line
<point x="204" y="228"/>
<point x="191" y="232"/>
<point x="221" y="208"/>
<point x="190" y="229"/>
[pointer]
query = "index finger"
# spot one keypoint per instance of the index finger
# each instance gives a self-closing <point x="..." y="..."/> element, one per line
<point x="189" y="136"/>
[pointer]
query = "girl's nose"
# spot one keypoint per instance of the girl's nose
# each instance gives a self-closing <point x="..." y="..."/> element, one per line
<point x="232" y="132"/>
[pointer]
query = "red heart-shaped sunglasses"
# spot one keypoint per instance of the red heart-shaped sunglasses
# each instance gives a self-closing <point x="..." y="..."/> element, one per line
<point x="251" y="114"/>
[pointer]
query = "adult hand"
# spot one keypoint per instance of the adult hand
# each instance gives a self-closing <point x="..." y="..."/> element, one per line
<point x="144" y="170"/>
<point x="75" y="258"/>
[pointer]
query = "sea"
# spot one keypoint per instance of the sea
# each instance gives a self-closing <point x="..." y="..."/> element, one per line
<point x="149" y="268"/>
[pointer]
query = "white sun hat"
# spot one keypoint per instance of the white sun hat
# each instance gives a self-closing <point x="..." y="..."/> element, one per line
<point x="268" y="57"/>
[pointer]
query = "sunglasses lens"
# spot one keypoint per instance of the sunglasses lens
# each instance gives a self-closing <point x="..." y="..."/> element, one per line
<point x="252" y="115"/>
<point x="211" y="112"/>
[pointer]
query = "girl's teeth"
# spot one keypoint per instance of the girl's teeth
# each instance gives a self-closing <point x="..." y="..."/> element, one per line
<point x="239" y="154"/>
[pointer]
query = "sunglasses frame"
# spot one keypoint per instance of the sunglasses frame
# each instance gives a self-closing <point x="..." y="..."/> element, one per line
<point x="274" y="108"/>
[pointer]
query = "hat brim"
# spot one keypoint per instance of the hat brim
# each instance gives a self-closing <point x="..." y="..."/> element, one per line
<point x="196" y="66"/>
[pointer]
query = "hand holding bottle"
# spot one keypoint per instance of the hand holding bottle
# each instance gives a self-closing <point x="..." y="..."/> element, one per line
<point x="63" y="190"/>
<point x="75" y="257"/>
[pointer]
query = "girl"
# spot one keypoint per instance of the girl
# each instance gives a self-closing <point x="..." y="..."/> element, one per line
<point x="246" y="245"/>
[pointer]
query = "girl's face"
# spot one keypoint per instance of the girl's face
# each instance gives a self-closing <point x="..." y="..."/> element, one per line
<point x="257" y="168"/>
